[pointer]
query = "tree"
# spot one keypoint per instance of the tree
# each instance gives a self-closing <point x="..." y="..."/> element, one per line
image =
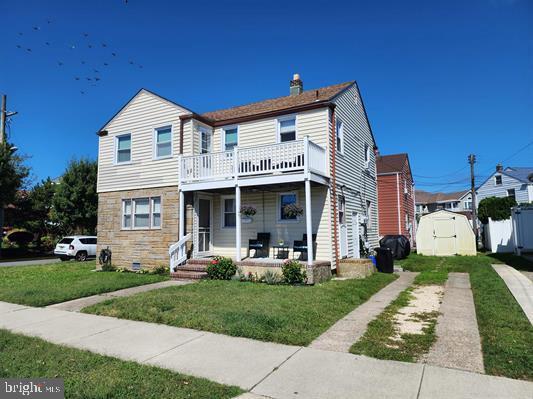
<point x="75" y="202"/>
<point x="13" y="173"/>
<point x="33" y="210"/>
<point x="496" y="208"/>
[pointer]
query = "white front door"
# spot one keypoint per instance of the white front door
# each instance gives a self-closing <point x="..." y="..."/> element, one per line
<point x="355" y="236"/>
<point x="205" y="214"/>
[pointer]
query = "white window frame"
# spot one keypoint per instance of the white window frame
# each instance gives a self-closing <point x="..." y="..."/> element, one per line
<point x="368" y="214"/>
<point x="150" y="210"/>
<point x="278" y="127"/>
<point x="156" y="131"/>
<point x="341" y="208"/>
<point x="223" y="139"/>
<point x="117" y="137"/>
<point x="278" y="209"/>
<point x="496" y="181"/>
<point x="339" y="133"/>
<point x="223" y="199"/>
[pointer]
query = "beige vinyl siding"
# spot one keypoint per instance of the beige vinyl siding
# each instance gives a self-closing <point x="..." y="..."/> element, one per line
<point x="140" y="118"/>
<point x="359" y="183"/>
<point x="265" y="131"/>
<point x="267" y="220"/>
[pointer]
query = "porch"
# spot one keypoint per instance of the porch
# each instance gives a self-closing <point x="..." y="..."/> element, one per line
<point x="266" y="178"/>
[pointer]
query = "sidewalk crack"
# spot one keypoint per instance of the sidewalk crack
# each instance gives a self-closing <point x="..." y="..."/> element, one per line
<point x="275" y="369"/>
<point x="174" y="347"/>
<point x="421" y="379"/>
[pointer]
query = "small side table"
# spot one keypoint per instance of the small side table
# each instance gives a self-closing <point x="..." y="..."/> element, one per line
<point x="281" y="251"/>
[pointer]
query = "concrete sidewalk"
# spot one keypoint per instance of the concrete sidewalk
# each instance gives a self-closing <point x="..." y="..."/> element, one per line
<point x="348" y="330"/>
<point x="268" y="369"/>
<point x="458" y="344"/>
<point x="520" y="286"/>
<point x="78" y="304"/>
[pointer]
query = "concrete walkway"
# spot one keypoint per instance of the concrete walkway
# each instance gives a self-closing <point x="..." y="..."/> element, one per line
<point x="520" y="286"/>
<point x="78" y="304"/>
<point x="348" y="330"/>
<point x="458" y="344"/>
<point x="268" y="369"/>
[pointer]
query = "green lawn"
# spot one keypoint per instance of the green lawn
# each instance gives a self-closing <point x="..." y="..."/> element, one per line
<point x="506" y="334"/>
<point x="47" y="284"/>
<point x="87" y="375"/>
<point x="378" y="340"/>
<point x="277" y="313"/>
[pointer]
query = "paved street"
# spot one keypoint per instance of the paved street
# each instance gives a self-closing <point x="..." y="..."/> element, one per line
<point x="44" y="261"/>
<point x="268" y="369"/>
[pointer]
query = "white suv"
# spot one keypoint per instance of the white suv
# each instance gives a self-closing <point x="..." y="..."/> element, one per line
<point x="78" y="247"/>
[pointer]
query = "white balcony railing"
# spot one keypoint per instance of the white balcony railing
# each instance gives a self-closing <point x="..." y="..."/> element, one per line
<point x="299" y="155"/>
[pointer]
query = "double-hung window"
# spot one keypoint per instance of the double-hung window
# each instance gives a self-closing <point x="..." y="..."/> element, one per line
<point x="163" y="142"/>
<point x="141" y="213"/>
<point x="229" y="214"/>
<point x="342" y="209"/>
<point x="231" y="138"/>
<point x="287" y="200"/>
<point x="367" y="155"/>
<point x="498" y="180"/>
<point x="287" y="129"/>
<point x="123" y="148"/>
<point x="339" y="129"/>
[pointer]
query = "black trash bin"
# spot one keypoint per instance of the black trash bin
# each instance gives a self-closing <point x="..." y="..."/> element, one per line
<point x="384" y="260"/>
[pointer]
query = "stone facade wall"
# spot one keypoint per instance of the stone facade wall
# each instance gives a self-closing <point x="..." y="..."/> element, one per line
<point x="147" y="246"/>
<point x="355" y="268"/>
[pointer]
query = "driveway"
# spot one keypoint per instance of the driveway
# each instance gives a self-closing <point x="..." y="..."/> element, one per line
<point x="29" y="262"/>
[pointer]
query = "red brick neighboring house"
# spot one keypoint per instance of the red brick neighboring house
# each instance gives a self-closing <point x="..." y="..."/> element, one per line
<point x="396" y="196"/>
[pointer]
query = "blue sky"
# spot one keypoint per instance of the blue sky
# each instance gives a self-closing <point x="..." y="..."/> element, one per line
<point x="439" y="79"/>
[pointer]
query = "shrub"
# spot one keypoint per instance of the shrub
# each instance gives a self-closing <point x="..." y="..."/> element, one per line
<point x="271" y="277"/>
<point x="108" y="267"/>
<point x="161" y="269"/>
<point x="293" y="273"/>
<point x="496" y="208"/>
<point x="221" y="268"/>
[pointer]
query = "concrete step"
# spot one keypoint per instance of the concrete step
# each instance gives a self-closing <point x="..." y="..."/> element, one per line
<point x="204" y="261"/>
<point x="193" y="268"/>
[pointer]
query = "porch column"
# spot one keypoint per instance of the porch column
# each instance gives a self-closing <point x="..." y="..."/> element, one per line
<point x="182" y="215"/>
<point x="309" y="222"/>
<point x="238" y="223"/>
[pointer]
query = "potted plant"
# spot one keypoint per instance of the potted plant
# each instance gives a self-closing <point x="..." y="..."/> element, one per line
<point x="247" y="213"/>
<point x="293" y="210"/>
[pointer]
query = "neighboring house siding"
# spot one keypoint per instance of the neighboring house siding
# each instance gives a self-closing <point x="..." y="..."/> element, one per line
<point x="490" y="189"/>
<point x="388" y="204"/>
<point x="139" y="118"/>
<point x="359" y="183"/>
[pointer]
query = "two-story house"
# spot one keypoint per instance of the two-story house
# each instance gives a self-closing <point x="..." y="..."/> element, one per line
<point x="515" y="182"/>
<point x="457" y="201"/>
<point x="169" y="177"/>
<point x="396" y="199"/>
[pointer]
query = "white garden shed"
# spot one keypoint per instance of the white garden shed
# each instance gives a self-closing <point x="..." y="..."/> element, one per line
<point x="445" y="233"/>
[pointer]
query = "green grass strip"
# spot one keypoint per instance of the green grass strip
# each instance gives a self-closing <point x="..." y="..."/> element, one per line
<point x="88" y="375"/>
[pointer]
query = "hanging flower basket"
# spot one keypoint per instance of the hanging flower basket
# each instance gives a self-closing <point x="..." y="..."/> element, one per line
<point x="247" y="211"/>
<point x="293" y="210"/>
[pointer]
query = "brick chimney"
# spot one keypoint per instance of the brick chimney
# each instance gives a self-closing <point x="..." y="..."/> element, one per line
<point x="499" y="168"/>
<point x="296" y="86"/>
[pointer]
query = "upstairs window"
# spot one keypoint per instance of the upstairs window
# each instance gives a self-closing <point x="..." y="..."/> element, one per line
<point x="468" y="205"/>
<point x="123" y="146"/>
<point x="287" y="129"/>
<point x="367" y="155"/>
<point x="163" y="142"/>
<point x="511" y="193"/>
<point x="498" y="180"/>
<point x="339" y="129"/>
<point x="205" y="141"/>
<point x="231" y="138"/>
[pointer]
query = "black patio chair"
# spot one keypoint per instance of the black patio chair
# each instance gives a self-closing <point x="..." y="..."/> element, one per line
<point x="261" y="245"/>
<point x="301" y="247"/>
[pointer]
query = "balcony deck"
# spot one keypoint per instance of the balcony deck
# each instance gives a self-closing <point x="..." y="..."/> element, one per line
<point x="259" y="165"/>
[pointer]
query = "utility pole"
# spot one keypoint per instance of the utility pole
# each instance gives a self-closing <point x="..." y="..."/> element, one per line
<point x="472" y="161"/>
<point x="3" y="117"/>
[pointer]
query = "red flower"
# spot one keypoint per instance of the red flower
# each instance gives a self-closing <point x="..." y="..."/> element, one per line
<point x="214" y="262"/>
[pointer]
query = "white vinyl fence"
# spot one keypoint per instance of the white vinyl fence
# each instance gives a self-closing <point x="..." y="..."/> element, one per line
<point x="511" y="235"/>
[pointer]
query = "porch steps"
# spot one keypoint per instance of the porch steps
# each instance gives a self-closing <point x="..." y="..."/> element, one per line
<point x="194" y="269"/>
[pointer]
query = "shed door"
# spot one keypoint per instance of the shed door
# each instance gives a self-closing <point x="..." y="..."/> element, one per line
<point x="444" y="236"/>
